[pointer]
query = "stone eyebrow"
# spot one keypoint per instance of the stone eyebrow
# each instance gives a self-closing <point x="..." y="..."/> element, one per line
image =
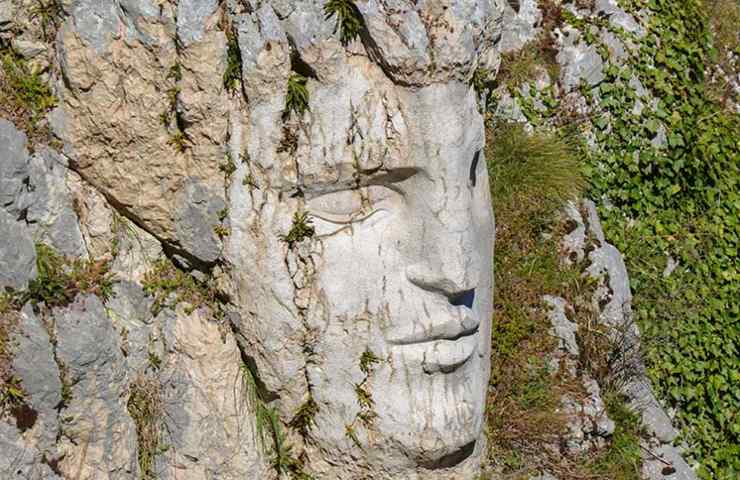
<point x="380" y="176"/>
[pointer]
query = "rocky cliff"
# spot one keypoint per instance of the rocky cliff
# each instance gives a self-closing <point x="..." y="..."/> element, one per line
<point x="253" y="239"/>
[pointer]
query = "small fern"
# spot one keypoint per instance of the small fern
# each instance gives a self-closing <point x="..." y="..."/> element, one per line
<point x="296" y="99"/>
<point x="349" y="19"/>
<point x="302" y="228"/>
<point x="232" y="75"/>
<point x="304" y="417"/>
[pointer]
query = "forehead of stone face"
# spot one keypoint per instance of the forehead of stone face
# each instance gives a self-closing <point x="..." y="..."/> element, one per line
<point x="364" y="128"/>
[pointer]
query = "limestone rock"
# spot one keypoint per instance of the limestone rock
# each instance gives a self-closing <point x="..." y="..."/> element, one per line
<point x="563" y="329"/>
<point x="578" y="61"/>
<point x="33" y="363"/>
<point x="98" y="437"/>
<point x="205" y="403"/>
<point x="17" y="253"/>
<point x="17" y="460"/>
<point x="50" y="208"/>
<point x="138" y="92"/>
<point x="7" y="14"/>
<point x="13" y="167"/>
<point x="520" y="26"/>
<point x="350" y="240"/>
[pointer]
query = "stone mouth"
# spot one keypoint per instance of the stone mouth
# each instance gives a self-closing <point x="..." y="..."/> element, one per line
<point x="453" y="324"/>
<point x="444" y="355"/>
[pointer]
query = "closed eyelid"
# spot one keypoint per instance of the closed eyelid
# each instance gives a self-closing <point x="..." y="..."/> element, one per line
<point x="384" y="178"/>
<point x="346" y="219"/>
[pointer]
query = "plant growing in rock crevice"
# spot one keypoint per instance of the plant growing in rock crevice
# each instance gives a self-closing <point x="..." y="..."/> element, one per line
<point x="304" y="416"/>
<point x="169" y="286"/>
<point x="269" y="430"/>
<point x="348" y="17"/>
<point x="61" y="279"/>
<point x="49" y="14"/>
<point x="24" y="96"/>
<point x="366" y="416"/>
<point x="146" y="409"/>
<point x="232" y="74"/>
<point x="13" y="398"/>
<point x="171" y="118"/>
<point x="301" y="229"/>
<point x="296" y="97"/>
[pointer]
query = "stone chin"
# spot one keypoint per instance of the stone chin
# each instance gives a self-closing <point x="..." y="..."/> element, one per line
<point x="437" y="421"/>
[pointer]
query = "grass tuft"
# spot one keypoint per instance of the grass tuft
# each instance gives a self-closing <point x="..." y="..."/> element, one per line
<point x="296" y="99"/>
<point x="146" y="410"/>
<point x="269" y="430"/>
<point x="534" y="174"/>
<point x="24" y="96"/>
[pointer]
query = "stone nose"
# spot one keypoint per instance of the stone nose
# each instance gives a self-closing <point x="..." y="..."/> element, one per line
<point x="448" y="265"/>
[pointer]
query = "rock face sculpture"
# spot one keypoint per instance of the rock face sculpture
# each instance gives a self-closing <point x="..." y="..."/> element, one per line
<point x="335" y="189"/>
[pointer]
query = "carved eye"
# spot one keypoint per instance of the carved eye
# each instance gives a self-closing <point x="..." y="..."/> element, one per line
<point x="350" y="206"/>
<point x="473" y="176"/>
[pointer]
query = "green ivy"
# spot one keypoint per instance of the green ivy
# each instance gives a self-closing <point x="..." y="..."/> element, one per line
<point x="675" y="201"/>
<point x="680" y="201"/>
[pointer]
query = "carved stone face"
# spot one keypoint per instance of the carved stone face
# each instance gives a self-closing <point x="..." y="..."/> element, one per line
<point x="405" y="273"/>
<point x="382" y="317"/>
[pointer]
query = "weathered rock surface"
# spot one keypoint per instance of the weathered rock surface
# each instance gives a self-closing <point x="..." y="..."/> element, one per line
<point x="17" y="254"/>
<point x="612" y="297"/>
<point x="372" y="329"/>
<point x="36" y="368"/>
<point x="98" y="437"/>
<point x="210" y="431"/>
<point x="366" y="323"/>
